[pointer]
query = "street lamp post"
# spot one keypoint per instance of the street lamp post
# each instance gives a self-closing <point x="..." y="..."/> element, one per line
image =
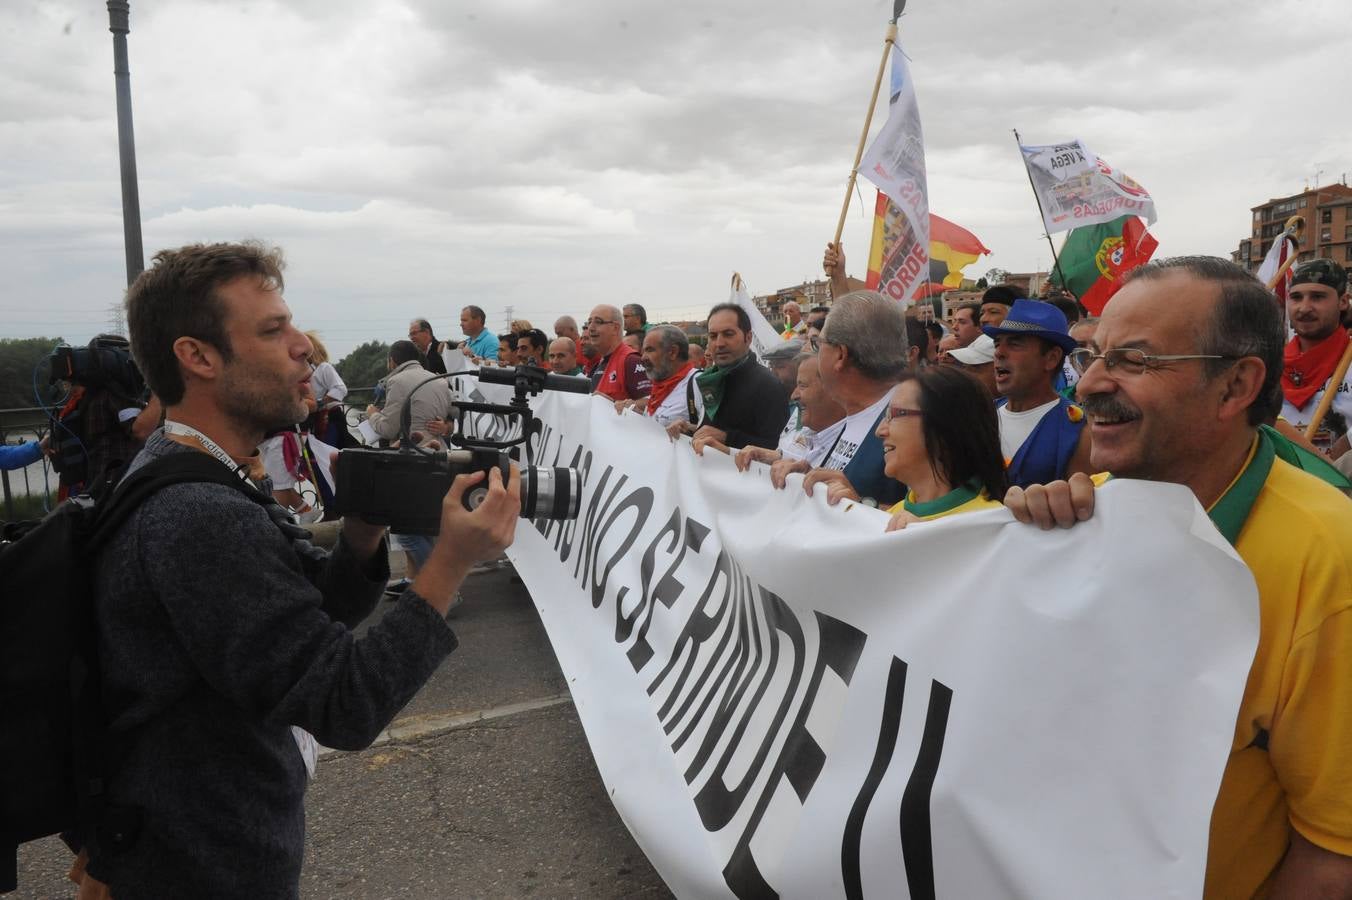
<point x="119" y="16"/>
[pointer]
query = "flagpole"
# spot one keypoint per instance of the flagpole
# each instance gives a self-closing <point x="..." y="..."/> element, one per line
<point x="1056" y="262"/>
<point x="888" y="42"/>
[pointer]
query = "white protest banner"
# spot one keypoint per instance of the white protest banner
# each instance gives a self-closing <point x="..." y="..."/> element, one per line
<point x="1076" y="187"/>
<point x="783" y="699"/>
<point x="895" y="162"/>
<point x="763" y="334"/>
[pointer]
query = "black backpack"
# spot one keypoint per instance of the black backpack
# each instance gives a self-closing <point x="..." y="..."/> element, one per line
<point x="53" y="751"/>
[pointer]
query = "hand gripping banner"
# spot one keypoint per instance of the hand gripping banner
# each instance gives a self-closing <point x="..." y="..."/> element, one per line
<point x="783" y="700"/>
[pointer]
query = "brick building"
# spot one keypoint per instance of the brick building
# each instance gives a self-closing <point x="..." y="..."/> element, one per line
<point x="1328" y="226"/>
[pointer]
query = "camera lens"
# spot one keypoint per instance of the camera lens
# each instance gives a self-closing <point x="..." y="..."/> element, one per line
<point x="551" y="493"/>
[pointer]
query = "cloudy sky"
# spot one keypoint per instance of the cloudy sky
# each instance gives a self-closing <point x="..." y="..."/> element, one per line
<point x="412" y="156"/>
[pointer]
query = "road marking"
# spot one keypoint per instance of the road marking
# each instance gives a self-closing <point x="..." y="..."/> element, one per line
<point x="414" y="727"/>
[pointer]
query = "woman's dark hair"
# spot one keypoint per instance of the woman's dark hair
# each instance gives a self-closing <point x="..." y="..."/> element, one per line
<point x="962" y="434"/>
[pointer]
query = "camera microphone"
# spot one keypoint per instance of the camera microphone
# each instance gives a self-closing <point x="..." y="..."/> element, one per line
<point x="551" y="381"/>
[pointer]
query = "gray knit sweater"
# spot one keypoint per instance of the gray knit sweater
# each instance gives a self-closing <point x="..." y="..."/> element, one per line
<point x="216" y="636"/>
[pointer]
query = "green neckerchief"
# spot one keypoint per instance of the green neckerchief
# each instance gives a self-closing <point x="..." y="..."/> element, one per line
<point x="1230" y="512"/>
<point x="713" y="381"/>
<point x="950" y="501"/>
<point x="576" y="371"/>
<point x="1304" y="460"/>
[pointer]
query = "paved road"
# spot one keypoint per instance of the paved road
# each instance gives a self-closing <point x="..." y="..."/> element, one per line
<point x="502" y="799"/>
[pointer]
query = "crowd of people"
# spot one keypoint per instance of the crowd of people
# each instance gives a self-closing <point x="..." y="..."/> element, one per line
<point x="1194" y="374"/>
<point x="1187" y="377"/>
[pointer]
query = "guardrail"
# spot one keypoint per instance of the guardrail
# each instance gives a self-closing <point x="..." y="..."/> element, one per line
<point x="35" y="423"/>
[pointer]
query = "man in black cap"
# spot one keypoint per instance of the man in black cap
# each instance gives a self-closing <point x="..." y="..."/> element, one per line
<point x="997" y="301"/>
<point x="1315" y="304"/>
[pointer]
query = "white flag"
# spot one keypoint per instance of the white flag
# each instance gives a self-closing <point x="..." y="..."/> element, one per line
<point x="895" y="162"/>
<point x="1281" y="251"/>
<point x="1078" y="188"/>
<point x="763" y="334"/>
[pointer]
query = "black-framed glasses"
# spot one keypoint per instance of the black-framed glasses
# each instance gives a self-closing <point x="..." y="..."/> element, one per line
<point x="1130" y="360"/>
<point x="597" y="323"/>
<point x="900" y="412"/>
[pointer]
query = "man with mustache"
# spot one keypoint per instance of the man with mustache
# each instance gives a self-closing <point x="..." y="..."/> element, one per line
<point x="1315" y="304"/>
<point x="1042" y="435"/>
<point x="1176" y="382"/>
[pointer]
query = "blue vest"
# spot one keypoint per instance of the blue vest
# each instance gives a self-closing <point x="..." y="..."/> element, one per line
<point x="865" y="471"/>
<point x="1047" y="452"/>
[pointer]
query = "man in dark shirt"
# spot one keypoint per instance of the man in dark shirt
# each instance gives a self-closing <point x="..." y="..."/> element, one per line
<point x="226" y="646"/>
<point x="744" y="403"/>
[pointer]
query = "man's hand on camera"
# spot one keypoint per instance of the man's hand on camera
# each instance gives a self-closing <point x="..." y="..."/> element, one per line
<point x="469" y="537"/>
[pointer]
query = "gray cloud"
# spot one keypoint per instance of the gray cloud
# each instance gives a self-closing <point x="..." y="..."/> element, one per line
<point x="412" y="156"/>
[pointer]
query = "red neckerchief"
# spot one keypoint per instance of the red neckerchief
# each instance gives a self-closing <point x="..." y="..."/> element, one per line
<point x="664" y="387"/>
<point x="1303" y="374"/>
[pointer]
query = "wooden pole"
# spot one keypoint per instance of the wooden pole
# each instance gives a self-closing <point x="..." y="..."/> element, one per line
<point x="888" y="43"/>
<point x="1281" y="273"/>
<point x="1330" y="391"/>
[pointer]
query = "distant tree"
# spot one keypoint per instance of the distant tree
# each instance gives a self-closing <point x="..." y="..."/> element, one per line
<point x="981" y="283"/>
<point x="366" y="365"/>
<point x="997" y="276"/>
<point x="20" y="360"/>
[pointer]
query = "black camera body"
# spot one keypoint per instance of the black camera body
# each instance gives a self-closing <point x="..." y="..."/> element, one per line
<point x="106" y="362"/>
<point x="404" y="488"/>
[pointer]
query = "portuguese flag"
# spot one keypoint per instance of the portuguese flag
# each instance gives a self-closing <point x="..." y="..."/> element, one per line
<point x="1095" y="258"/>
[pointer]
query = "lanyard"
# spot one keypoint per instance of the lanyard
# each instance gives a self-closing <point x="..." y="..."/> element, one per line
<point x="207" y="444"/>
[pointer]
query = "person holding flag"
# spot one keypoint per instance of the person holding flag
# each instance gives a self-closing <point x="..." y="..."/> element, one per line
<point x="1315" y="304"/>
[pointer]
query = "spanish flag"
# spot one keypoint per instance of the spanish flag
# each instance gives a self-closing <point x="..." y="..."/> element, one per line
<point x="952" y="248"/>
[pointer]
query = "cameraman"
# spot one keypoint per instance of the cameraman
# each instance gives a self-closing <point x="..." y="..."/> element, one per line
<point x="223" y="643"/>
<point x="105" y="420"/>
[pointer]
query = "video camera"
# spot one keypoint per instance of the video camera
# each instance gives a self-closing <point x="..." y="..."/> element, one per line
<point x="105" y="362"/>
<point x="404" y="487"/>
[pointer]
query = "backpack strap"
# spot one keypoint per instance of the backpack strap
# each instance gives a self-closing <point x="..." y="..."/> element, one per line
<point x="176" y="468"/>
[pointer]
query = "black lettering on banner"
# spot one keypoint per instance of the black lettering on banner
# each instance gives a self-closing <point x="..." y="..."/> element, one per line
<point x="739" y="597"/>
<point x="667" y="592"/>
<point x="742" y="676"/>
<point x="917" y="842"/>
<point x="641" y="501"/>
<point x="596" y="511"/>
<point x="729" y="687"/>
<point x="715" y="803"/>
<point x="624" y="624"/>
<point x="916" y="838"/>
<point x="801" y="759"/>
<point x="698" y="628"/>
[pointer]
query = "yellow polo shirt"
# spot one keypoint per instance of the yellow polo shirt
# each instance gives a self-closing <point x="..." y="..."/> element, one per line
<point x="1290" y="763"/>
<point x="968" y="498"/>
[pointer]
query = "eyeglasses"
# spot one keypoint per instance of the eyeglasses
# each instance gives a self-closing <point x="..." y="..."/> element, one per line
<point x="1129" y="360"/>
<point x="597" y="323"/>
<point x="899" y="412"/>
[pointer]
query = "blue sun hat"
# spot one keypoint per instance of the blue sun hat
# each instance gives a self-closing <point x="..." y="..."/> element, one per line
<point x="1035" y="318"/>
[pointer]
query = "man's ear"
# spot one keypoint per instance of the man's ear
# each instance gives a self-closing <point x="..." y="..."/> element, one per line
<point x="1241" y="385"/>
<point x="198" y="359"/>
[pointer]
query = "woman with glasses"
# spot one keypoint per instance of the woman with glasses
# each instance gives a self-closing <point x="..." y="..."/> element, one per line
<point x="941" y="439"/>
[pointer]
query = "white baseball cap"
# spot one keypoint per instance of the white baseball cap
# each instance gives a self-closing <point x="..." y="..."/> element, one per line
<point x="980" y="351"/>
